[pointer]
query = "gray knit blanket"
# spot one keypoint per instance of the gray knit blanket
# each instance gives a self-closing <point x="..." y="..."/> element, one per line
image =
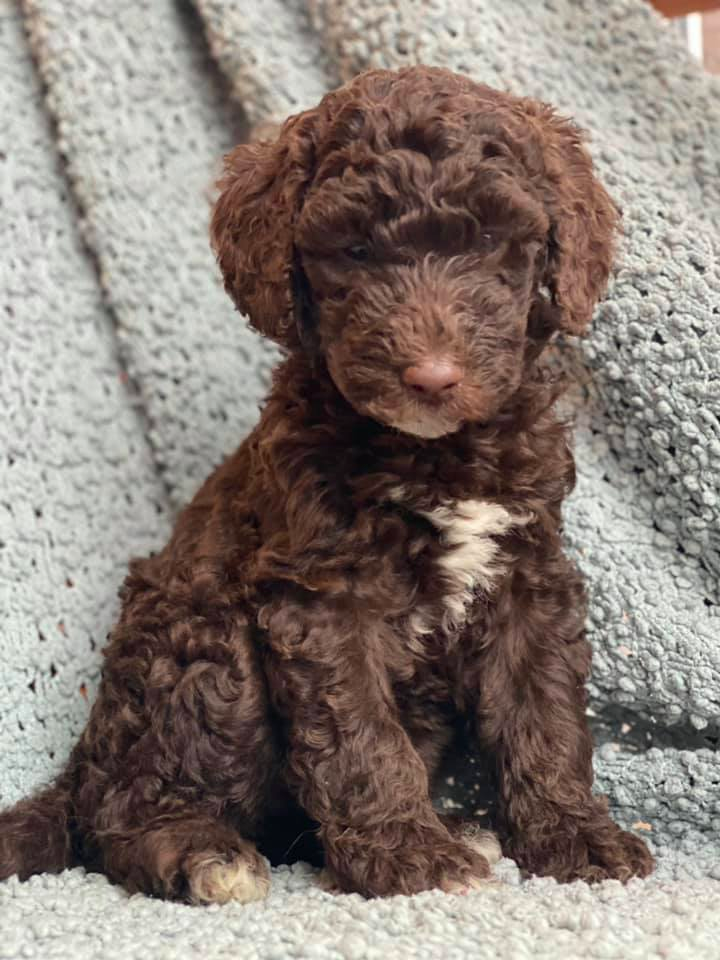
<point x="125" y="376"/>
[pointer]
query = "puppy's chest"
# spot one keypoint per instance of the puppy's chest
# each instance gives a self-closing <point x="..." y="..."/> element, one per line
<point x="461" y="565"/>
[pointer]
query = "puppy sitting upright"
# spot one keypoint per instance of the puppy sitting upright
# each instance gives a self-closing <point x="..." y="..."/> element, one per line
<point x="383" y="553"/>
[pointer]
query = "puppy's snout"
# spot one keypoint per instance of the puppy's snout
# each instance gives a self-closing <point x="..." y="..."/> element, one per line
<point x="433" y="376"/>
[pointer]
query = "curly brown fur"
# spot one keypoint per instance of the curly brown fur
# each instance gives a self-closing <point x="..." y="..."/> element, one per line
<point x="377" y="558"/>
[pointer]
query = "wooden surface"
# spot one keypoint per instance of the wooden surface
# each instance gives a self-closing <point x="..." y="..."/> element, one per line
<point x="679" y="8"/>
<point x="711" y="41"/>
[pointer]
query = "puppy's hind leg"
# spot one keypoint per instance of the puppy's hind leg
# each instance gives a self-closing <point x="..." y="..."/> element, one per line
<point x="179" y="775"/>
<point x="186" y="856"/>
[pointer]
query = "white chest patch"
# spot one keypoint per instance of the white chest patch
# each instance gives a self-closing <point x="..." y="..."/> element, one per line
<point x="471" y="562"/>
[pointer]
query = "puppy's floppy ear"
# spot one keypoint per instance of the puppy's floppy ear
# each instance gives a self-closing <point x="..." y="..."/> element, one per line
<point x="584" y="224"/>
<point x="261" y="192"/>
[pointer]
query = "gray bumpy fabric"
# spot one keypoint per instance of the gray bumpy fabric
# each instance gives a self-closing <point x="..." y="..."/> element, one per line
<point x="142" y="124"/>
<point x="91" y="459"/>
<point x="79" y="491"/>
<point x="85" y="918"/>
<point x="294" y="62"/>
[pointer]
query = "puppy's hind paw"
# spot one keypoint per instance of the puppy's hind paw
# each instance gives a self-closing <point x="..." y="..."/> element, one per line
<point x="467" y="885"/>
<point x="215" y="879"/>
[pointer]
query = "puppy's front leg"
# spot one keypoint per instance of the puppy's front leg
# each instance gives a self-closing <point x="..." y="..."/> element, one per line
<point x="532" y="672"/>
<point x="350" y="762"/>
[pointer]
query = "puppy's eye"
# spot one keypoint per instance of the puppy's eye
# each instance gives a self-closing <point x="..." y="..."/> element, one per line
<point x="486" y="241"/>
<point x="358" y="253"/>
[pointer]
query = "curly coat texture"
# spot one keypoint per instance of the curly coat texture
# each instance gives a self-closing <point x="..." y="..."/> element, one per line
<point x="378" y="560"/>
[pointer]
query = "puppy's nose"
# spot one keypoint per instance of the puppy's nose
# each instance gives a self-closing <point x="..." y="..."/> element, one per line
<point x="433" y="376"/>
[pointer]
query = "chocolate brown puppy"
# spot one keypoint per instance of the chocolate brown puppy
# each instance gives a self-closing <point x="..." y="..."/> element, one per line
<point x="383" y="554"/>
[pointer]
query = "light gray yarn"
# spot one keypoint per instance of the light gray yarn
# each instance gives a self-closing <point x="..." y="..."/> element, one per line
<point x="141" y="120"/>
<point x="78" y="917"/>
<point x="672" y="796"/>
<point x="142" y="124"/>
<point x="294" y="62"/>
<point x="79" y="492"/>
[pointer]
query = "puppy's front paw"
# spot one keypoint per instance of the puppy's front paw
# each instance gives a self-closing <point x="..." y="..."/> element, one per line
<point x="616" y="854"/>
<point x="425" y="859"/>
<point x="593" y="852"/>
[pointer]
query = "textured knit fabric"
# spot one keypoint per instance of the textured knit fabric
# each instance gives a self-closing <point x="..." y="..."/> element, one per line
<point x="142" y="124"/>
<point x="85" y="918"/>
<point x="79" y="491"/>
<point x="126" y="376"/>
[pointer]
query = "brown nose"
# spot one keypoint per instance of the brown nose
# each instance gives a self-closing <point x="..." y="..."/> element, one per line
<point x="433" y="376"/>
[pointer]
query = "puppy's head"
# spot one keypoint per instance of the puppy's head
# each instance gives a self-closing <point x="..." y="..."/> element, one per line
<point x="422" y="233"/>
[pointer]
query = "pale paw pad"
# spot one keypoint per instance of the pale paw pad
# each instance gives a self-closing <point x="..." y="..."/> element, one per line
<point x="466" y="885"/>
<point x="484" y="842"/>
<point x="243" y="879"/>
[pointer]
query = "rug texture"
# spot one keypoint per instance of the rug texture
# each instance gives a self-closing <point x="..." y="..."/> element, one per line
<point x="125" y="376"/>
